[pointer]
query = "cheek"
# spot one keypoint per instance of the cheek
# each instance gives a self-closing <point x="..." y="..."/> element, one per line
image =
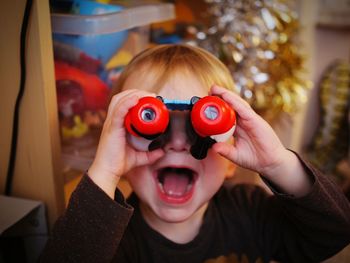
<point x="139" y="179"/>
<point x="216" y="163"/>
<point x="216" y="168"/>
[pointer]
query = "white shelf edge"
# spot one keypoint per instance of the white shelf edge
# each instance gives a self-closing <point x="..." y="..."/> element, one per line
<point x="113" y="22"/>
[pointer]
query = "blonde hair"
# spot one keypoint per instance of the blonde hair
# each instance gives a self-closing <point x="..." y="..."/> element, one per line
<point x="164" y="60"/>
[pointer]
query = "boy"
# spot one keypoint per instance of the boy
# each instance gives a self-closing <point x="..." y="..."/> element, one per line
<point x="179" y="211"/>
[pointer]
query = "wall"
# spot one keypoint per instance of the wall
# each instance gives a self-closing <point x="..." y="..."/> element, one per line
<point x="9" y="78"/>
<point x="329" y="45"/>
<point x="38" y="170"/>
<point x="320" y="46"/>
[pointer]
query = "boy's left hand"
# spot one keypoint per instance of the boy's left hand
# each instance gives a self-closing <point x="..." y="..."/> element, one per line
<point x="256" y="146"/>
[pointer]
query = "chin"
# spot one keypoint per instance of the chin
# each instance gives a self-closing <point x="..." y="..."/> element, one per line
<point x="180" y="214"/>
<point x="174" y="216"/>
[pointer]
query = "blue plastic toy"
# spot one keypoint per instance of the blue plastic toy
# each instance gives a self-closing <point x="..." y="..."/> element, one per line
<point x="102" y="46"/>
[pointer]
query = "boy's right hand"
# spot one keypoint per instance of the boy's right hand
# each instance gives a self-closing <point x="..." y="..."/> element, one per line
<point x="114" y="157"/>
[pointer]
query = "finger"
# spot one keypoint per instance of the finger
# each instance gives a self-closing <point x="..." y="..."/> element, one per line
<point x="240" y="133"/>
<point x="242" y="107"/>
<point x="123" y="104"/>
<point x="145" y="158"/>
<point x="116" y="99"/>
<point x="117" y="119"/>
<point x="226" y="150"/>
<point x="124" y="95"/>
<point x="127" y="102"/>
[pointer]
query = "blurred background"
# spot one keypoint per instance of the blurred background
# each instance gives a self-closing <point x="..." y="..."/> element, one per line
<point x="290" y="60"/>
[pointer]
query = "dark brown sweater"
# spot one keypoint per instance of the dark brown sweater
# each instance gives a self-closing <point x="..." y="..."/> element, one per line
<point x="242" y="224"/>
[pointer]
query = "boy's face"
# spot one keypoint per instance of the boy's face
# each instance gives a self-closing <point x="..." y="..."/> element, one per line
<point x="177" y="187"/>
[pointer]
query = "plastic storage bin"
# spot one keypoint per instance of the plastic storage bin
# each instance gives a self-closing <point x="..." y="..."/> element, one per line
<point x="91" y="47"/>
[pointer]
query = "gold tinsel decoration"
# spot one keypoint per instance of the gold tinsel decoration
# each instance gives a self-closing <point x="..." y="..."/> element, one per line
<point x="331" y="141"/>
<point x="256" y="39"/>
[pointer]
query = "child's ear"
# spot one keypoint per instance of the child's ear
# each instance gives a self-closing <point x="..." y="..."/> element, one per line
<point x="230" y="170"/>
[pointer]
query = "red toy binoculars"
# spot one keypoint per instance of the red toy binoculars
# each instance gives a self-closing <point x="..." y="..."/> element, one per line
<point x="211" y="120"/>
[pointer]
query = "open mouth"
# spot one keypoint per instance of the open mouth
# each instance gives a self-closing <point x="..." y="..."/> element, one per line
<point x="176" y="184"/>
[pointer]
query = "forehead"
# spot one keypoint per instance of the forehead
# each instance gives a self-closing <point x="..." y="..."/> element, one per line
<point x="181" y="85"/>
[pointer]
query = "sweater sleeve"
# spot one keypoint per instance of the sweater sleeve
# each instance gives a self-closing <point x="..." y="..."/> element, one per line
<point x="90" y="229"/>
<point x="313" y="227"/>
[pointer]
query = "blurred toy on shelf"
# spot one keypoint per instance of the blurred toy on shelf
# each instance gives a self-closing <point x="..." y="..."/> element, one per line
<point x="82" y="79"/>
<point x="78" y="93"/>
<point x="78" y="130"/>
<point x="99" y="46"/>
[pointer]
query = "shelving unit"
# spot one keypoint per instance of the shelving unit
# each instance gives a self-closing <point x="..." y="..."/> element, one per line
<point x="131" y="17"/>
<point x="78" y="153"/>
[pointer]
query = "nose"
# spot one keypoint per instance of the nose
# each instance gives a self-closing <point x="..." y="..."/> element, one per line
<point x="178" y="139"/>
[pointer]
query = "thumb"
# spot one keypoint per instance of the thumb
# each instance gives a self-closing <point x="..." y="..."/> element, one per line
<point x="226" y="150"/>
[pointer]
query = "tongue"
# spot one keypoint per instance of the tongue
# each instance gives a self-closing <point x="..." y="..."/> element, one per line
<point x="175" y="184"/>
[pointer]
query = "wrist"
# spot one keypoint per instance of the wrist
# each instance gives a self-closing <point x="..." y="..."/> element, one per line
<point x="103" y="179"/>
<point x="280" y="166"/>
<point x="290" y="176"/>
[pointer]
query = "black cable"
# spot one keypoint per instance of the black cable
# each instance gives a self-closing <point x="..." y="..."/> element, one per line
<point x="13" y="150"/>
